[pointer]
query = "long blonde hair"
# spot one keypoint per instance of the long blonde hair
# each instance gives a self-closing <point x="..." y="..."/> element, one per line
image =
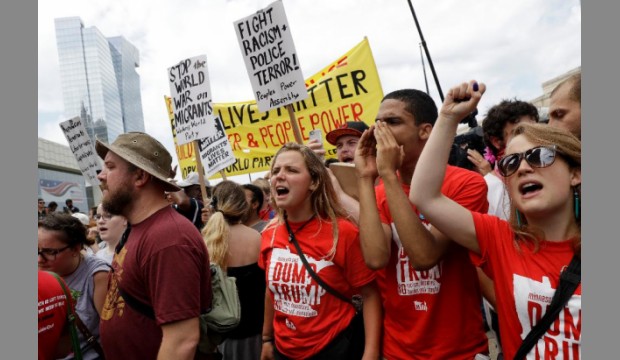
<point x="324" y="200"/>
<point x="569" y="148"/>
<point x="229" y="208"/>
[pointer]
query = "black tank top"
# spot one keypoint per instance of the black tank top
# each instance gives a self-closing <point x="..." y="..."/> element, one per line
<point x="250" y="281"/>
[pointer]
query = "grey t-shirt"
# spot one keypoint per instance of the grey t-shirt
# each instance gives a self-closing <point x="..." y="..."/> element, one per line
<point x="81" y="285"/>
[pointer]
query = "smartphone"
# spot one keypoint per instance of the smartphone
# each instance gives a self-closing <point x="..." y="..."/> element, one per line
<point x="316" y="134"/>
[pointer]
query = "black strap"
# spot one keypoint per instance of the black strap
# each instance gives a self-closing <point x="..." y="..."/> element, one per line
<point x="569" y="281"/>
<point x="136" y="304"/>
<point x="315" y="276"/>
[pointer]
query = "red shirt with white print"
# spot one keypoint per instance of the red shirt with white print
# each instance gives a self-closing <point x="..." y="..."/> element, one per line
<point x="307" y="317"/>
<point x="524" y="286"/>
<point x="435" y="313"/>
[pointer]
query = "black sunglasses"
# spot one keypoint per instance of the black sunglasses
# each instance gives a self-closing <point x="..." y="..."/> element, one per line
<point x="539" y="157"/>
<point x="50" y="254"/>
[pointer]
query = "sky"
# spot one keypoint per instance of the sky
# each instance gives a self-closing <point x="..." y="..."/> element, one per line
<point x="511" y="46"/>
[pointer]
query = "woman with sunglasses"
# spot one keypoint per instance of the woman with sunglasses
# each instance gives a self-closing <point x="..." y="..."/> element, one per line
<point x="302" y="319"/>
<point x="61" y="237"/>
<point x="525" y="255"/>
<point x="110" y="228"/>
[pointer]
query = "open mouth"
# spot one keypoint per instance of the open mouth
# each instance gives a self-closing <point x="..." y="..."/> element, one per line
<point x="529" y="187"/>
<point x="281" y="190"/>
<point x="347" y="159"/>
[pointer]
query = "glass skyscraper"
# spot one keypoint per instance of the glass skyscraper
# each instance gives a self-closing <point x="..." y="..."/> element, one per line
<point x="99" y="80"/>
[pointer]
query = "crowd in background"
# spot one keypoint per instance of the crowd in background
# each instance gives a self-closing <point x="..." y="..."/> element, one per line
<point x="448" y="238"/>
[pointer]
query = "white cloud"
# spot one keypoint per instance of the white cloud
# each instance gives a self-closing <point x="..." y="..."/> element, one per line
<point x="512" y="46"/>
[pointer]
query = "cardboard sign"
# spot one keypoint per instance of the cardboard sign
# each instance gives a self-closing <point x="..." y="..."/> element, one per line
<point x="270" y="57"/>
<point x="191" y="98"/>
<point x="346" y="89"/>
<point x="83" y="149"/>
<point x="215" y="151"/>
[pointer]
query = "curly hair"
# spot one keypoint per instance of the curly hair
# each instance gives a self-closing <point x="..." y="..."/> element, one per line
<point x="569" y="148"/>
<point x="324" y="200"/>
<point x="418" y="103"/>
<point x="507" y="111"/>
<point x="231" y="207"/>
<point x="72" y="229"/>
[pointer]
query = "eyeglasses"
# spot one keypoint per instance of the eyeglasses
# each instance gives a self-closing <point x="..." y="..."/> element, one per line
<point x="539" y="157"/>
<point x="50" y="254"/>
<point x="104" y="217"/>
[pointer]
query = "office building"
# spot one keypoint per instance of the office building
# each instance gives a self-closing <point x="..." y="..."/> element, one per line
<point x="99" y="80"/>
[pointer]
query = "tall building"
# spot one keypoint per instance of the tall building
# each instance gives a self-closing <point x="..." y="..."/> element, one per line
<point x="99" y="80"/>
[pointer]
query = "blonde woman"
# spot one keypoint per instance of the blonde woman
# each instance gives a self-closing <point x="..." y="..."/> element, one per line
<point x="235" y="248"/>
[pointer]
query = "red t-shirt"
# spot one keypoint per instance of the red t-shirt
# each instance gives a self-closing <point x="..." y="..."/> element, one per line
<point x="524" y="286"/>
<point x="306" y="316"/>
<point x="435" y="313"/>
<point x="165" y="265"/>
<point x="52" y="314"/>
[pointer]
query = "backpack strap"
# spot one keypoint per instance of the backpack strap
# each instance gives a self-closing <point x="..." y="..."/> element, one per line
<point x="569" y="281"/>
<point x="71" y="316"/>
<point x="137" y="305"/>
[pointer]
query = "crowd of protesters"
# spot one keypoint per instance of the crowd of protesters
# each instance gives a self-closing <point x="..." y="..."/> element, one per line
<point x="406" y="270"/>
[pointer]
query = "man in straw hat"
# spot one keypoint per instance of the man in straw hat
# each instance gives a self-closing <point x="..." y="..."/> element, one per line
<point x="161" y="280"/>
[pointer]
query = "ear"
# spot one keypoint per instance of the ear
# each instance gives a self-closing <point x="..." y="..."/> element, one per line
<point x="424" y="131"/>
<point x="313" y="186"/>
<point x="142" y="178"/>
<point x="575" y="177"/>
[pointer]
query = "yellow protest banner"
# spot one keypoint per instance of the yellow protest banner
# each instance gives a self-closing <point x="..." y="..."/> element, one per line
<point x="348" y="89"/>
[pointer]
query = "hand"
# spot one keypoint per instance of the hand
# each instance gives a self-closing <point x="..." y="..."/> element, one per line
<point x="317" y="146"/>
<point x="483" y="166"/>
<point x="390" y="155"/>
<point x="267" y="351"/>
<point x="462" y="100"/>
<point x="366" y="155"/>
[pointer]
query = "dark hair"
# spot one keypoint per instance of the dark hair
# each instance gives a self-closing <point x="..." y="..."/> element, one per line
<point x="507" y="111"/>
<point x="257" y="195"/>
<point x="52" y="205"/>
<point x="68" y="201"/>
<point x="418" y="103"/>
<point x="74" y="232"/>
<point x="574" y="93"/>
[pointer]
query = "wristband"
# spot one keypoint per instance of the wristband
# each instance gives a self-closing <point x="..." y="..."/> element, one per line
<point x="267" y="340"/>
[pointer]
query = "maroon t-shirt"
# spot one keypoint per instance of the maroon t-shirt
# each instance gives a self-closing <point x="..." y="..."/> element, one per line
<point x="164" y="264"/>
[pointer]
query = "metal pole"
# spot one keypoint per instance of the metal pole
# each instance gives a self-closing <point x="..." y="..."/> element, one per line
<point x="424" y="70"/>
<point x="428" y="55"/>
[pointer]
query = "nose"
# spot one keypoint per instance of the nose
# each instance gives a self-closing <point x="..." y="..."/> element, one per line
<point x="101" y="174"/>
<point x="524" y="166"/>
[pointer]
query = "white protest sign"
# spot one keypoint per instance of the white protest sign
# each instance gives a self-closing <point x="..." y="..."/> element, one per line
<point x="215" y="150"/>
<point x="83" y="148"/>
<point x="191" y="98"/>
<point x="270" y="58"/>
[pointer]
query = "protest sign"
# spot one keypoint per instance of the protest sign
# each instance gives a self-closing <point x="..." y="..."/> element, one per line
<point x="216" y="152"/>
<point x="347" y="89"/>
<point x="270" y="57"/>
<point x="192" y="101"/>
<point x="83" y="149"/>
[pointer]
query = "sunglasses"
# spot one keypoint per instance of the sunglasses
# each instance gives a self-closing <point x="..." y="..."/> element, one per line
<point x="538" y="157"/>
<point x="50" y="254"/>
